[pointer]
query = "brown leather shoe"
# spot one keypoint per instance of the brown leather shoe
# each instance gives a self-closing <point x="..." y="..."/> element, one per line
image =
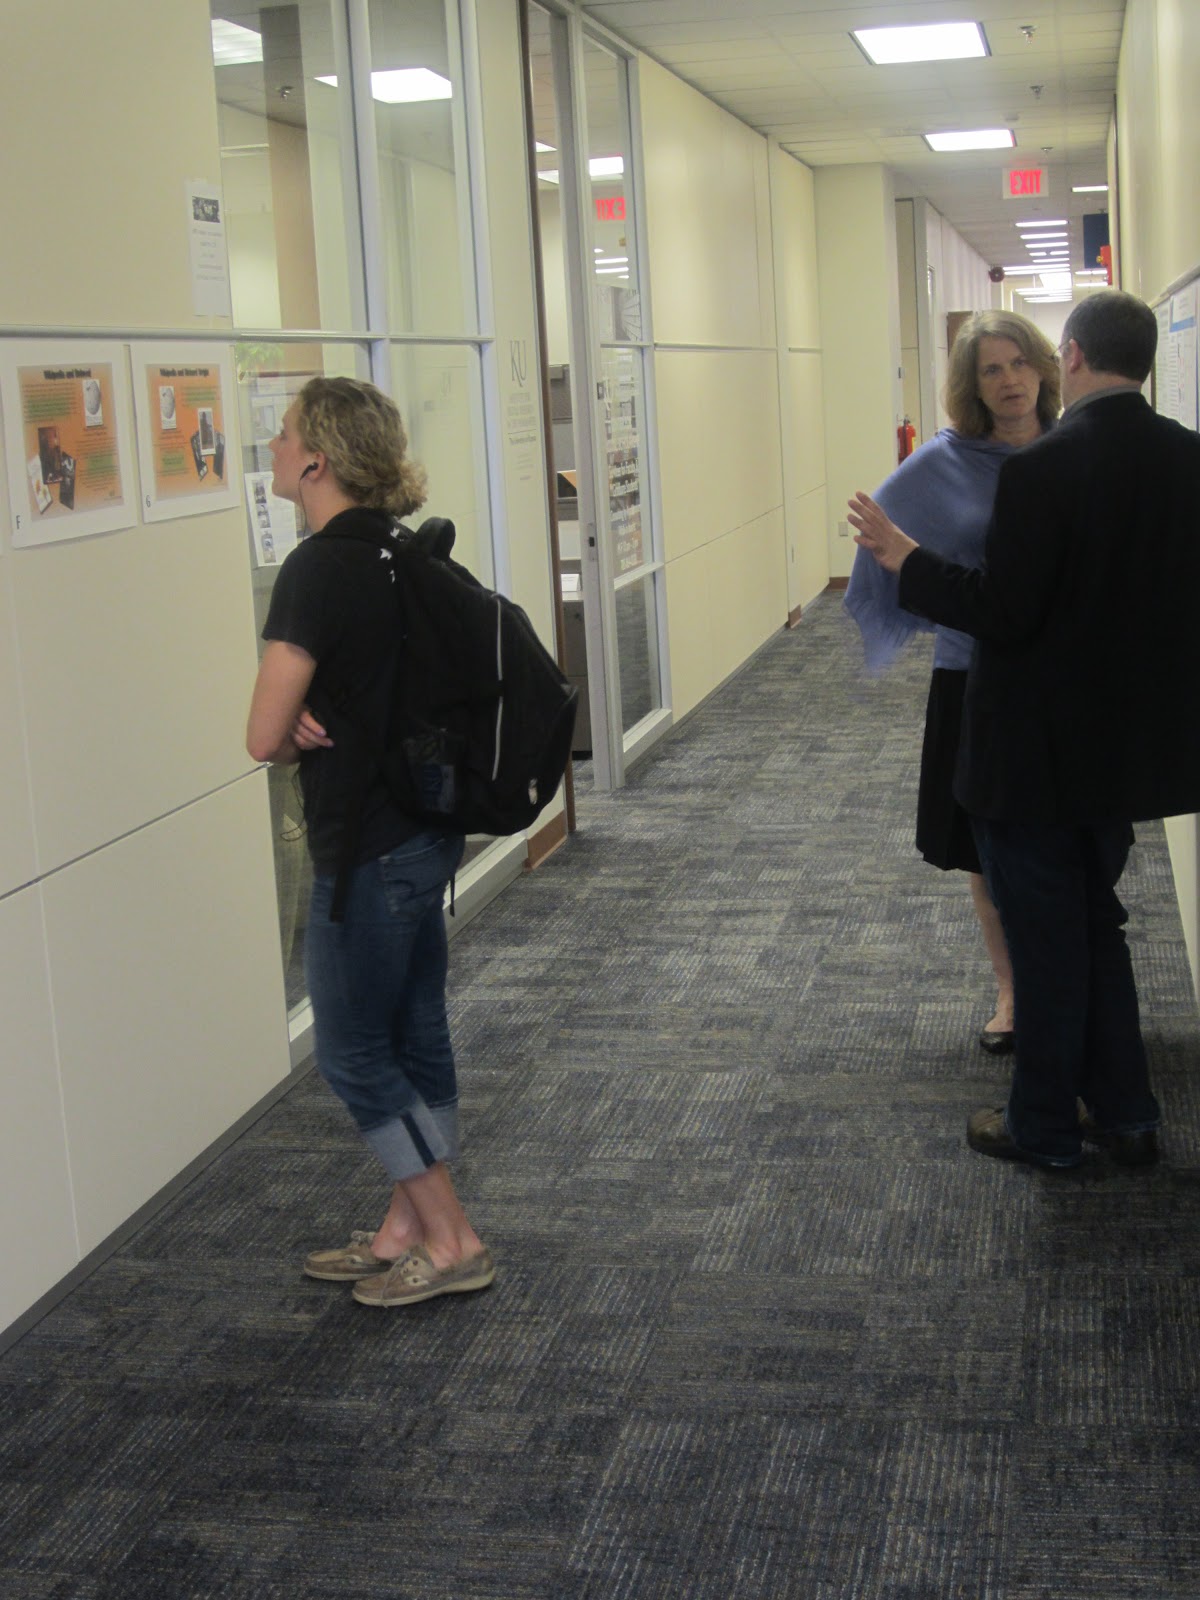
<point x="1126" y="1149"/>
<point x="987" y="1132"/>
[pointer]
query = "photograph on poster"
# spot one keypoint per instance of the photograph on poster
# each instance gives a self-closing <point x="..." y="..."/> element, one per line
<point x="272" y="521"/>
<point x="63" y="411"/>
<point x="181" y="394"/>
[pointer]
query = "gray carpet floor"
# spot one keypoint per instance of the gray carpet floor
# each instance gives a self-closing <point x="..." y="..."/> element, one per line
<point x="763" y="1327"/>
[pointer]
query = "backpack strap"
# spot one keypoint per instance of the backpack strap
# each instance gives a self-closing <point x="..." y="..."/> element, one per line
<point x="434" y="538"/>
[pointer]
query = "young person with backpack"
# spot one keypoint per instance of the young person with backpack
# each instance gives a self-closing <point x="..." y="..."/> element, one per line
<point x="375" y="962"/>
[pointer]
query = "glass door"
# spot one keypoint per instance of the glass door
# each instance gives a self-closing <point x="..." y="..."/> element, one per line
<point x="597" y="344"/>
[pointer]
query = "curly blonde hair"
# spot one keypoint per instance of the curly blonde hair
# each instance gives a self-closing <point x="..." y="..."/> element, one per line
<point x="966" y="410"/>
<point x="359" y="431"/>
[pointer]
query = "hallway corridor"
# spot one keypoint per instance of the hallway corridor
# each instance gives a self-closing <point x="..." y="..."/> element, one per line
<point x="762" y="1326"/>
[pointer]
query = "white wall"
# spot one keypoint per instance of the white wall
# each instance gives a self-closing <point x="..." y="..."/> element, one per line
<point x="1158" y="180"/>
<point x="802" y="411"/>
<point x="716" y="365"/>
<point x="860" y="337"/>
<point x="958" y="282"/>
<point x="910" y="337"/>
<point x="142" y="992"/>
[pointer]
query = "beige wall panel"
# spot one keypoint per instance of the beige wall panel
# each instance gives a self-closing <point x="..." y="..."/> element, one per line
<point x="808" y="420"/>
<point x="795" y="225"/>
<point x="137" y="653"/>
<point x="702" y="165"/>
<point x="168" y="994"/>
<point x="1158" y="149"/>
<point x="1159" y="158"/>
<point x="1183" y="838"/>
<point x="719" y="450"/>
<point x="113" y="249"/>
<point x="36" y="1219"/>
<point x="18" y="858"/>
<point x="906" y="264"/>
<point x="748" y="581"/>
<point x="809" y="552"/>
<point x="860" y="338"/>
<point x="689" y="630"/>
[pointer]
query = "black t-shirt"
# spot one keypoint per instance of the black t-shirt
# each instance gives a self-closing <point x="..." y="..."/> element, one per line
<point x="333" y="597"/>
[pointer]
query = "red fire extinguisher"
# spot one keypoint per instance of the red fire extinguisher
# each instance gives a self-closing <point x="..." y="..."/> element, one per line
<point x="906" y="438"/>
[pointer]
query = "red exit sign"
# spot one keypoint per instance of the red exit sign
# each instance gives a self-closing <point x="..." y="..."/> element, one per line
<point x="612" y="210"/>
<point x="1026" y="183"/>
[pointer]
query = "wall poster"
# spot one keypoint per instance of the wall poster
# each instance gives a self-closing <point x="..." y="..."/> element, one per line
<point x="66" y="409"/>
<point x="184" y="429"/>
<point x="272" y="521"/>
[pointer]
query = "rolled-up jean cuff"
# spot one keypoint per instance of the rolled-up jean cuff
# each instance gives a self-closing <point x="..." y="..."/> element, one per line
<point x="411" y="1143"/>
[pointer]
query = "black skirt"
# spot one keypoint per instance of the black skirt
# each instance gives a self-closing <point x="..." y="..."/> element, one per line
<point x="944" y="834"/>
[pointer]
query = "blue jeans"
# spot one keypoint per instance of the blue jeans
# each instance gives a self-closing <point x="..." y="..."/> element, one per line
<point x="1076" y="1007"/>
<point x="377" y="981"/>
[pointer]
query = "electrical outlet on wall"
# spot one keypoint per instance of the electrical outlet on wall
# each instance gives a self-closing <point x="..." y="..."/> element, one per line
<point x="843" y="530"/>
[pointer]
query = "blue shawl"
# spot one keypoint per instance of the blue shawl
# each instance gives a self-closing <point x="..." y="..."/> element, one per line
<point x="942" y="497"/>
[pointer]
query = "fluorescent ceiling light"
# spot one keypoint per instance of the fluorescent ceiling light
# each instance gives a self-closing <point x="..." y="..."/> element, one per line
<point x="1089" y="188"/>
<point x="1092" y="272"/>
<point x="543" y="149"/>
<point x="1043" y="222"/>
<point x="612" y="261"/>
<point x="233" y="45"/>
<point x="935" y="41"/>
<point x="1056" y="282"/>
<point x="405" y="86"/>
<point x="1020" y="272"/>
<point x="624" y="271"/>
<point x="1042" y="234"/>
<point x="598" y="167"/>
<point x="972" y="139"/>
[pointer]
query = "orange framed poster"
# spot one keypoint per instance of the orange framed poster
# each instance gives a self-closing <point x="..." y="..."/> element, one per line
<point x="187" y="454"/>
<point x="66" y="411"/>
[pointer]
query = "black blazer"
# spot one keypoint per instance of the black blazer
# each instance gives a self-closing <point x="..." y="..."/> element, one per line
<point x="1083" y="698"/>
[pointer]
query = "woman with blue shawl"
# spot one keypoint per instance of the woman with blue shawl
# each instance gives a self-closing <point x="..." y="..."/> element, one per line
<point x="1002" y="391"/>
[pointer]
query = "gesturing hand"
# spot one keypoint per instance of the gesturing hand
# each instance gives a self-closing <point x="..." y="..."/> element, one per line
<point x="878" y="534"/>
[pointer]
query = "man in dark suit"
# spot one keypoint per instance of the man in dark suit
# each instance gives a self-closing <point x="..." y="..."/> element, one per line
<point x="1082" y="716"/>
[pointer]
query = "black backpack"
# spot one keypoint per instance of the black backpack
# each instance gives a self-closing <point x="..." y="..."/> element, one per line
<point x="482" y="718"/>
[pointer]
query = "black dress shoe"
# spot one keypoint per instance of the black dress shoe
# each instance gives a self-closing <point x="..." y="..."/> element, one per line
<point x="988" y="1133"/>
<point x="997" y="1044"/>
<point x="1126" y="1149"/>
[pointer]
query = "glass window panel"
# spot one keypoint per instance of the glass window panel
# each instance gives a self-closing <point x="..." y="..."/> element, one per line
<point x="438" y="390"/>
<point x="622" y="410"/>
<point x="637" y="652"/>
<point x="294" y="258"/>
<point x="610" y="215"/>
<point x="418" y="140"/>
<point x="269" y="376"/>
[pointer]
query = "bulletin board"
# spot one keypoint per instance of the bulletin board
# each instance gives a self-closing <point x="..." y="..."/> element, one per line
<point x="1176" y="373"/>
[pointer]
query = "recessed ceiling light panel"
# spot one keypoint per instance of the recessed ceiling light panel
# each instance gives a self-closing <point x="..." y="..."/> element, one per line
<point x="935" y="41"/>
<point x="971" y="139"/>
<point x="405" y="86"/>
<point x="233" y="45"/>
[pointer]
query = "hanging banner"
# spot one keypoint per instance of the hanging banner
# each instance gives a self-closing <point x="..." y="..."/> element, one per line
<point x="184" y="422"/>
<point x="65" y="414"/>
